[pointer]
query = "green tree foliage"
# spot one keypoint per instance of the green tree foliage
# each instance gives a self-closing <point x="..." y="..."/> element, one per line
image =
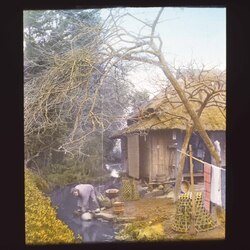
<point x="51" y="32"/>
<point x="58" y="64"/>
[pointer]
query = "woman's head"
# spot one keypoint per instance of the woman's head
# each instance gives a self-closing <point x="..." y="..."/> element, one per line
<point x="75" y="192"/>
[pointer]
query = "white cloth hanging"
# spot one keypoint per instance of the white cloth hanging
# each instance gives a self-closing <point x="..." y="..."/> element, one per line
<point x="216" y="185"/>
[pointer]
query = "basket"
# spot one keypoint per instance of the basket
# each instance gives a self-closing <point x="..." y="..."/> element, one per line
<point x="112" y="193"/>
<point x="118" y="207"/>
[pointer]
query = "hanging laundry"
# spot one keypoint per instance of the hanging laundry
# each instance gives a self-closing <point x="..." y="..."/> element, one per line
<point x="207" y="183"/>
<point x="223" y="188"/>
<point x="216" y="185"/>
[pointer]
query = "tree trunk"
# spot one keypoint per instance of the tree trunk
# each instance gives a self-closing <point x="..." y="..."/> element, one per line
<point x="198" y="124"/>
<point x="177" y="189"/>
<point x="189" y="131"/>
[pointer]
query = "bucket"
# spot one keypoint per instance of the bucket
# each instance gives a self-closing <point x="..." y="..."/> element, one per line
<point x="112" y="193"/>
<point x="185" y="185"/>
<point x="118" y="207"/>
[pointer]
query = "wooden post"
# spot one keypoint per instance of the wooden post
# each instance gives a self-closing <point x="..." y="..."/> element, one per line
<point x="177" y="189"/>
<point x="192" y="226"/>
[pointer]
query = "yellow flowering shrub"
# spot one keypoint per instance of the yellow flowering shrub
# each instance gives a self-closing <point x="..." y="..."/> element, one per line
<point x="41" y="223"/>
<point x="142" y="231"/>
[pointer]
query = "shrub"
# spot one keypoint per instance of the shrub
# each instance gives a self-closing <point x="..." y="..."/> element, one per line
<point x="142" y="231"/>
<point x="41" y="223"/>
<point x="64" y="175"/>
<point x="40" y="183"/>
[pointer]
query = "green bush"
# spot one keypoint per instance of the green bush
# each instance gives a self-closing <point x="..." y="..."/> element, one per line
<point x="41" y="223"/>
<point x="41" y="184"/>
<point x="142" y="231"/>
<point x="61" y="175"/>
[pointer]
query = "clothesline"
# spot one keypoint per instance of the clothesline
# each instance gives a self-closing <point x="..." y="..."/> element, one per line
<point x="200" y="160"/>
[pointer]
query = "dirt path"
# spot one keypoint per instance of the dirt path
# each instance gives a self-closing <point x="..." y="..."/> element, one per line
<point x="162" y="210"/>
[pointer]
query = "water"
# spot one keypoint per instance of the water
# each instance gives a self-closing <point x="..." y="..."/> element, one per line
<point x="96" y="230"/>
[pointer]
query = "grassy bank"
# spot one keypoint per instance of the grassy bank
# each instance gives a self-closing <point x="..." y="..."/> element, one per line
<point x="41" y="223"/>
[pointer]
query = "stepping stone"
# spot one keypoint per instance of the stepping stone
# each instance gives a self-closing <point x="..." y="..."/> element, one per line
<point x="105" y="216"/>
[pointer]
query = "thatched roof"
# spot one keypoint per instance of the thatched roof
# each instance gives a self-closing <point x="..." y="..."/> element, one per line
<point x="166" y="111"/>
<point x="212" y="118"/>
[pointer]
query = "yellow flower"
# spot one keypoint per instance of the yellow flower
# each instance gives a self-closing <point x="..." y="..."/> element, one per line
<point x="41" y="224"/>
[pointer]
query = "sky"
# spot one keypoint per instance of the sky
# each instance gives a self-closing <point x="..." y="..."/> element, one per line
<point x="187" y="33"/>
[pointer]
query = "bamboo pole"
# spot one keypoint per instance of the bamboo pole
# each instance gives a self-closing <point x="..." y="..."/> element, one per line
<point x="192" y="226"/>
<point x="177" y="188"/>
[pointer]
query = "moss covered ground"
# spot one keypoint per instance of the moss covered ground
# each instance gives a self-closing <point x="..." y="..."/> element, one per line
<point x="154" y="223"/>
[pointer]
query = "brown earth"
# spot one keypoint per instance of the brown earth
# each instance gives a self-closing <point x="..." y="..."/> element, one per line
<point x="162" y="210"/>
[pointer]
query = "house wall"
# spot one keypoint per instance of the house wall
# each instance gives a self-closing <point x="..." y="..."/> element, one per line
<point x="145" y="157"/>
<point x="133" y="155"/>
<point x="158" y="154"/>
<point x="149" y="155"/>
<point x="155" y="155"/>
<point x="180" y="134"/>
<point x="124" y="153"/>
<point x="200" y="151"/>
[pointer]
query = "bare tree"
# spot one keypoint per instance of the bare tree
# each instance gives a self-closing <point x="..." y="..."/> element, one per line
<point x="147" y="48"/>
<point x="208" y="90"/>
<point x="72" y="92"/>
<point x="60" y="60"/>
<point x="68" y="95"/>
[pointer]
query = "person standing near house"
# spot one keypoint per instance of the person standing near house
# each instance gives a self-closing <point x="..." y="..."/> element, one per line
<point x="85" y="193"/>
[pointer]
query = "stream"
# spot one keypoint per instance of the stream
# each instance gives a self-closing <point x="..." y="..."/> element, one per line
<point x="96" y="230"/>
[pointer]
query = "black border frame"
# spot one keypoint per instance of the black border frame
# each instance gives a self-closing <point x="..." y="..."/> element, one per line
<point x="237" y="135"/>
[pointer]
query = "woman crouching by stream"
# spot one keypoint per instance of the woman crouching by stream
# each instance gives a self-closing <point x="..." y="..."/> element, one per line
<point x="85" y="193"/>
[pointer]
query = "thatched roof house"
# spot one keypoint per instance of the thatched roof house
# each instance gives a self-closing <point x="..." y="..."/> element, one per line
<point x="165" y="116"/>
<point x="154" y="134"/>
